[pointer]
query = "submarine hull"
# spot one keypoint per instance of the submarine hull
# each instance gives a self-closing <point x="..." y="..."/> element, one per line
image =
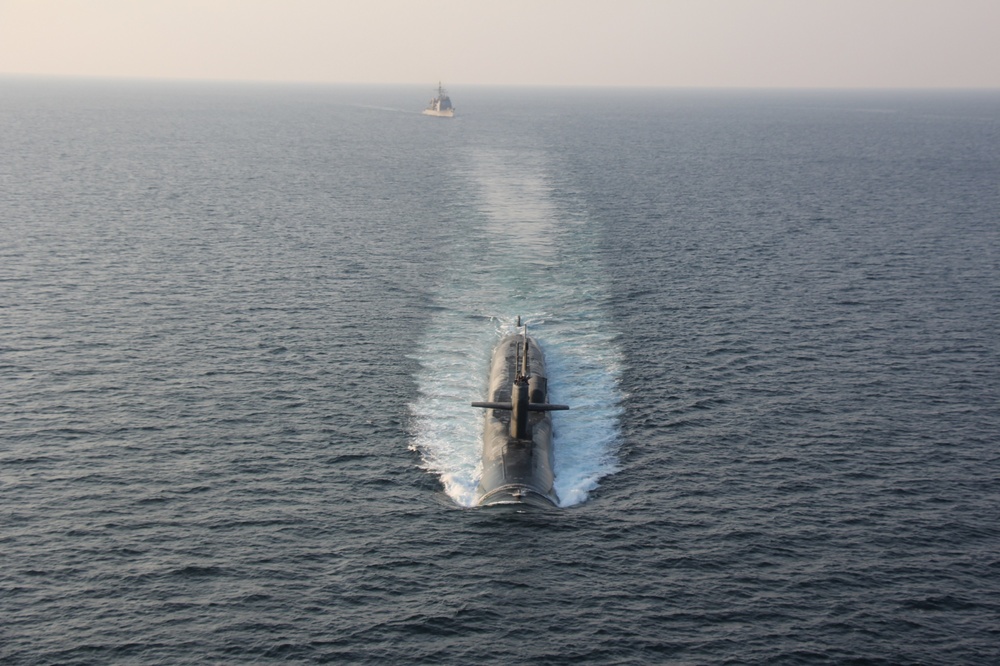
<point x="517" y="470"/>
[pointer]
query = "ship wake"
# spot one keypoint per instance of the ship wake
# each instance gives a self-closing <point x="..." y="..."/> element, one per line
<point x="533" y="257"/>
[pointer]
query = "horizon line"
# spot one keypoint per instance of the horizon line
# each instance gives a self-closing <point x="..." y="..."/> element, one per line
<point x="604" y="86"/>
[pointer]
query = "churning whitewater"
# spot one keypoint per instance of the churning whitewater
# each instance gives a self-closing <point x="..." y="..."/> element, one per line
<point x="527" y="252"/>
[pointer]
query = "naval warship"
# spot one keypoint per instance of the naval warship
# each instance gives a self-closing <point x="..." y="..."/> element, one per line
<point x="517" y="437"/>
<point x="441" y="105"/>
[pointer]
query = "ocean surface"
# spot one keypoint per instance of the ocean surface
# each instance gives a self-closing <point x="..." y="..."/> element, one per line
<point x="241" y="325"/>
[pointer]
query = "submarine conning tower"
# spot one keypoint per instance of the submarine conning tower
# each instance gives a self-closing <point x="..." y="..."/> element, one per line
<point x="517" y="436"/>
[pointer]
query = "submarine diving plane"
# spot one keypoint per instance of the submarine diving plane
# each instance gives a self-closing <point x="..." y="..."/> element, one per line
<point x="517" y="437"/>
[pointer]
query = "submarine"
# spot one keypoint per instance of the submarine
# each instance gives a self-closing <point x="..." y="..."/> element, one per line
<point x="517" y="436"/>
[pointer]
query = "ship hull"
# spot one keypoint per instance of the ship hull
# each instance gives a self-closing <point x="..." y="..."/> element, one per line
<point x="517" y="471"/>
<point x="449" y="113"/>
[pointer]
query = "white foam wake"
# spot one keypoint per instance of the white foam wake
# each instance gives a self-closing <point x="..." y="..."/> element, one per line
<point x="525" y="258"/>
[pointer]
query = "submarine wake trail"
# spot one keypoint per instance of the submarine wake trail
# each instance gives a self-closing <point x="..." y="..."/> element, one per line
<point x="521" y="248"/>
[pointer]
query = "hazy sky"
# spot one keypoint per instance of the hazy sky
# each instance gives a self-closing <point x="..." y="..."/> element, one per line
<point x="718" y="43"/>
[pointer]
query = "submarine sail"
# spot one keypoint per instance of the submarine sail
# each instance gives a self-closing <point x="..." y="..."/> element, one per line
<point x="517" y="437"/>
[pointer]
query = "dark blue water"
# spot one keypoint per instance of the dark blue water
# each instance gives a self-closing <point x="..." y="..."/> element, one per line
<point x="240" y="327"/>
